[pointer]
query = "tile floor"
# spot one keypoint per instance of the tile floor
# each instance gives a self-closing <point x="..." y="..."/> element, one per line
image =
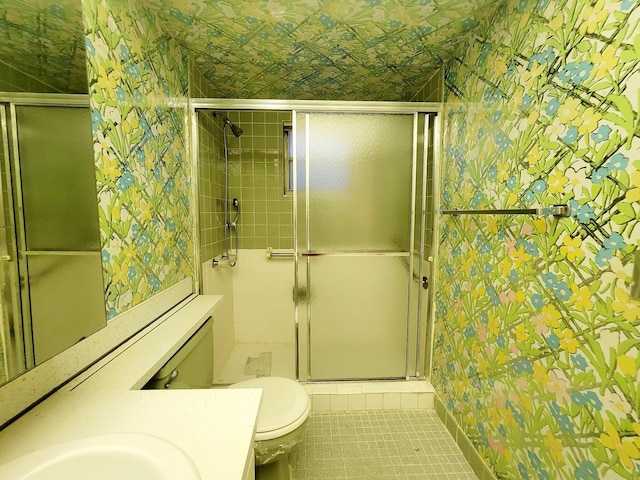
<point x="382" y="445"/>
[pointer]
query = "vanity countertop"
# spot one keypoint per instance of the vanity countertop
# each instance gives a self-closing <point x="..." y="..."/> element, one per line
<point x="215" y="427"/>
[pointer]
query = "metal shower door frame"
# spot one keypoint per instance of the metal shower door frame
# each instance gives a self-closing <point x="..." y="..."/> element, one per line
<point x="23" y="332"/>
<point x="422" y="358"/>
<point x="16" y="353"/>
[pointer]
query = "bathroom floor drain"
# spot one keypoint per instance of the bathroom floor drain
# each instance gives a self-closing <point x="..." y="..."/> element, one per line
<point x="259" y="366"/>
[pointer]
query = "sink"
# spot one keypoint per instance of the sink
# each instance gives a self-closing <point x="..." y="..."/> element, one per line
<point x="125" y="456"/>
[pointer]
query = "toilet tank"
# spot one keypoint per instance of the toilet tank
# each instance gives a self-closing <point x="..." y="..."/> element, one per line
<point x="191" y="366"/>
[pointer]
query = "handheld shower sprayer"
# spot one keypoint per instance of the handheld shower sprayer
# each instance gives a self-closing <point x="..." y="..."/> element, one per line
<point x="236" y="205"/>
<point x="228" y="225"/>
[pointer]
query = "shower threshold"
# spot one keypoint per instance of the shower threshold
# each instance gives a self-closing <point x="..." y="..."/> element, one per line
<point x="342" y="396"/>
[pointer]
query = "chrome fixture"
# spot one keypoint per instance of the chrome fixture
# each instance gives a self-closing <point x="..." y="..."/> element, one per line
<point x="561" y="210"/>
<point x="228" y="225"/>
<point x="283" y="254"/>
<point x="237" y="131"/>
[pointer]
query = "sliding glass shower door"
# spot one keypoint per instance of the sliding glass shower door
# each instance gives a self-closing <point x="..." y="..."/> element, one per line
<point x="51" y="285"/>
<point x="354" y="189"/>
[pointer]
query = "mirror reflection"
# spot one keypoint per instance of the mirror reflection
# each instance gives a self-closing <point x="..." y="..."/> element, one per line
<point x="51" y="286"/>
<point x="42" y="46"/>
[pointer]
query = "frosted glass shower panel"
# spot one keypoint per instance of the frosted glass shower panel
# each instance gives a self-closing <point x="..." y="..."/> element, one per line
<point x="58" y="177"/>
<point x="62" y="282"/>
<point x="358" y="317"/>
<point x="360" y="182"/>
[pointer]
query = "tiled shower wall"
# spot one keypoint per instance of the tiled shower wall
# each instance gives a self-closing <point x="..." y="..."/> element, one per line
<point x="210" y="185"/>
<point x="537" y="339"/>
<point x="256" y="178"/>
<point x="210" y="170"/>
<point x="433" y="89"/>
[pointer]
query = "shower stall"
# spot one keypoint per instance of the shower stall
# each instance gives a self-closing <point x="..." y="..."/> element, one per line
<point x="359" y="266"/>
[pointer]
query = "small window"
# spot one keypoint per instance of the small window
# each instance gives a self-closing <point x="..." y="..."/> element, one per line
<point x="288" y="158"/>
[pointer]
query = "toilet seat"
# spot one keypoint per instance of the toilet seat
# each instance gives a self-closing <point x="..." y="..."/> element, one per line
<point x="285" y="405"/>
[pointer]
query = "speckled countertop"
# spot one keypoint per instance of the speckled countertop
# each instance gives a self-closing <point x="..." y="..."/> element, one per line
<point x="215" y="428"/>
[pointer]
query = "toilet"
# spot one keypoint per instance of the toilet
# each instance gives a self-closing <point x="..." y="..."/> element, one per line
<point x="284" y="410"/>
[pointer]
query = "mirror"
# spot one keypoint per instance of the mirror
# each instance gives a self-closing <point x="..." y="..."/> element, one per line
<point x="42" y="48"/>
<point x="51" y="287"/>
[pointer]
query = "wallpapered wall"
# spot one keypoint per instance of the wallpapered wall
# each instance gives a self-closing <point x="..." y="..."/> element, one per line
<point x="536" y="336"/>
<point x="138" y="87"/>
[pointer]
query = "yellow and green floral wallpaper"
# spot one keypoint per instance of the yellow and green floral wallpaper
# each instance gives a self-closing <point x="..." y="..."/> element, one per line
<point x="139" y="99"/>
<point x="536" y="340"/>
<point x="320" y="49"/>
<point x="45" y="40"/>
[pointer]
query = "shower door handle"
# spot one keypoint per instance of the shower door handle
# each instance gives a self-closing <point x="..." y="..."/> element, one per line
<point x="299" y="294"/>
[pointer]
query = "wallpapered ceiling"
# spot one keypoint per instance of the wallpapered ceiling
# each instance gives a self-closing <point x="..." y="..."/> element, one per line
<point x="138" y="86"/>
<point x="320" y="49"/>
<point x="302" y="49"/>
<point x="45" y="40"/>
<point x="537" y="339"/>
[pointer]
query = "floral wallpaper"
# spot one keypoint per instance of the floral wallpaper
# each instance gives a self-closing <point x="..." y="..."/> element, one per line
<point x="537" y="342"/>
<point x="45" y="40"/>
<point x="138" y="88"/>
<point x="320" y="49"/>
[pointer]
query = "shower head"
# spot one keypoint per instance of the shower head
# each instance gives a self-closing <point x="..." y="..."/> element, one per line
<point x="237" y="131"/>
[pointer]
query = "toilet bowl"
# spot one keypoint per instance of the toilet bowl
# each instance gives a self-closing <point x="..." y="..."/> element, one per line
<point x="284" y="408"/>
<point x="282" y="418"/>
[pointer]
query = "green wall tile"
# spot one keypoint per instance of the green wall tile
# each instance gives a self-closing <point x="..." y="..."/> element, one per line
<point x="255" y="177"/>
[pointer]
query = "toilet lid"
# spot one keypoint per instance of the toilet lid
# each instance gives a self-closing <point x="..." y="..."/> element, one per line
<point x="284" y="402"/>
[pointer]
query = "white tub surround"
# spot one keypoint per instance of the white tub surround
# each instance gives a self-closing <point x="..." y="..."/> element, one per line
<point x="219" y="281"/>
<point x="215" y="428"/>
<point x="260" y="290"/>
<point x="263" y="305"/>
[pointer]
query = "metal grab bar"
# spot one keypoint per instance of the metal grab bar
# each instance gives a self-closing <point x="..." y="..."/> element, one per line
<point x="272" y="254"/>
<point x="562" y="210"/>
<point x="33" y="253"/>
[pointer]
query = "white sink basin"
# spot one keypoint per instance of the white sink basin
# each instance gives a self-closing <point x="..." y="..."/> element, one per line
<point x="122" y="456"/>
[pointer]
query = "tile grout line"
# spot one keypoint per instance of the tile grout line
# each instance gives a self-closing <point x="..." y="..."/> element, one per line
<point x="399" y="444"/>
